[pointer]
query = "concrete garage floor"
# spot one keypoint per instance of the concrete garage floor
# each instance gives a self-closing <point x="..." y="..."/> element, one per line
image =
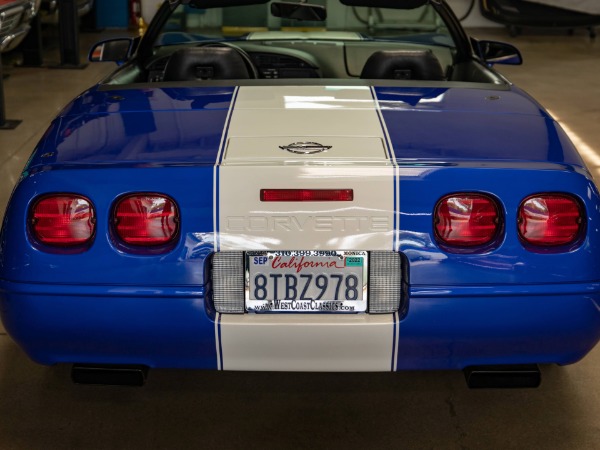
<point x="41" y="409"/>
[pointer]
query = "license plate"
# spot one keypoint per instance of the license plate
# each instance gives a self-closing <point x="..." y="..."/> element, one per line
<point x="307" y="281"/>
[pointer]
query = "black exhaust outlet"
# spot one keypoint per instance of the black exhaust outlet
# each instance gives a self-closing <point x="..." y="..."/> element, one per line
<point x="109" y="375"/>
<point x="503" y="377"/>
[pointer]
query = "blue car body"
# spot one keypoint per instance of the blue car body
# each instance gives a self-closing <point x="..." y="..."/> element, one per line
<point x="109" y="303"/>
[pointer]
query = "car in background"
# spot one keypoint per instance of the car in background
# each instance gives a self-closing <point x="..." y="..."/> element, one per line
<point x="49" y="8"/>
<point x="15" y="16"/>
<point x="285" y="186"/>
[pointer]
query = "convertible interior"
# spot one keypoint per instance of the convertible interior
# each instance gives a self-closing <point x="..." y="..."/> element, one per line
<point x="203" y="45"/>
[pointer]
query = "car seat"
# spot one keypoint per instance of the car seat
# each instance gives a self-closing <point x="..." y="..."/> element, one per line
<point x="205" y="63"/>
<point x="403" y="65"/>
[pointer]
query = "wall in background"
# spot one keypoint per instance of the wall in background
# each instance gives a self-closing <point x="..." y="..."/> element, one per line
<point x="112" y="13"/>
<point x="475" y="19"/>
<point x="149" y="8"/>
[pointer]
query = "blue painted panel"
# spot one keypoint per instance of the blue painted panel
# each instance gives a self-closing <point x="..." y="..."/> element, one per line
<point x="105" y="262"/>
<point x="449" y="124"/>
<point x="508" y="262"/>
<point x="153" y="126"/>
<point x="453" y="332"/>
<point x="110" y="325"/>
<point x="97" y="101"/>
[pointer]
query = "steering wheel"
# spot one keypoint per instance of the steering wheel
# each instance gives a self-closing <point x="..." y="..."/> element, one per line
<point x="252" y="70"/>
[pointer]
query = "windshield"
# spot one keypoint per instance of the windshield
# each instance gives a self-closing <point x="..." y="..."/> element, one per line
<point x="343" y="23"/>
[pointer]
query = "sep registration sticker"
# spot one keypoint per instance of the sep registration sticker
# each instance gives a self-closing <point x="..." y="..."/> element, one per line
<point x="306" y="281"/>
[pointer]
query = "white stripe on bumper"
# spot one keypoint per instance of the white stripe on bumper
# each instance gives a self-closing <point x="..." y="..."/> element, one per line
<point x="307" y="342"/>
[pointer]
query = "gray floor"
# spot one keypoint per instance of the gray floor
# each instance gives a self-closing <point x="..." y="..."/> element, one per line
<point x="39" y="408"/>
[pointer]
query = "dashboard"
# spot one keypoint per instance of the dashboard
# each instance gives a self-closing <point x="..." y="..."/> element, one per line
<point x="269" y="65"/>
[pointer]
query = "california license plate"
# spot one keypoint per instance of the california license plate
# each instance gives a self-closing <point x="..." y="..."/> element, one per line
<point x="307" y="281"/>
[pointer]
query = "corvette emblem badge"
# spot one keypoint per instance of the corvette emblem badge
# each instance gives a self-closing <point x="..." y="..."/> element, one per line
<point x="305" y="148"/>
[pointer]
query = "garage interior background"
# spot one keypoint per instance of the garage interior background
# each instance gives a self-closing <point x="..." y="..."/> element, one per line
<point x="115" y="13"/>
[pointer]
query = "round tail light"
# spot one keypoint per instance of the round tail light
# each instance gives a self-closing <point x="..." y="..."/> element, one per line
<point x="550" y="220"/>
<point x="466" y="220"/>
<point x="146" y="219"/>
<point x="62" y="220"/>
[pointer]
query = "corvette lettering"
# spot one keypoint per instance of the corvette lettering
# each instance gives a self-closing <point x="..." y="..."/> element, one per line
<point x="355" y="224"/>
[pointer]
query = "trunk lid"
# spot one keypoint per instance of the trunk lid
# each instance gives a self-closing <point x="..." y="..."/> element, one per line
<point x="187" y="126"/>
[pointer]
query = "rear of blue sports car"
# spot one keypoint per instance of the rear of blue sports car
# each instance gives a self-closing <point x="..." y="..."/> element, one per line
<point x="374" y="221"/>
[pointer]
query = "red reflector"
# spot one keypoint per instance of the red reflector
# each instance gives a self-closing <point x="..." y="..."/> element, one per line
<point x="146" y="219"/>
<point x="63" y="220"/>
<point x="306" y="195"/>
<point x="466" y="220"/>
<point x="550" y="220"/>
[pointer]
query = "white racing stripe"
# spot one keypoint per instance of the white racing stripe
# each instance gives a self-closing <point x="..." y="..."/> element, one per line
<point x="345" y="118"/>
<point x="307" y="343"/>
<point x="348" y="120"/>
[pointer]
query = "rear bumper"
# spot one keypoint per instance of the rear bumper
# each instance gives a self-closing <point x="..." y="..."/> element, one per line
<point x="172" y="327"/>
<point x="118" y="325"/>
<point x="444" y="331"/>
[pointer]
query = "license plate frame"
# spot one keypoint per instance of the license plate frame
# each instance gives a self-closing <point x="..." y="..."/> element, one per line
<point x="297" y="263"/>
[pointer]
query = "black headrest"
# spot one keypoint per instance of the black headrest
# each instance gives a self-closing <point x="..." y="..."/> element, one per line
<point x="205" y="63"/>
<point x="403" y="65"/>
<point x="203" y="4"/>
<point x="396" y="4"/>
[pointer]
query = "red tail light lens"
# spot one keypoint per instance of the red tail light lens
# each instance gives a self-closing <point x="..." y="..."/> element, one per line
<point x="306" y="195"/>
<point x="466" y="220"/>
<point x="550" y="220"/>
<point x="63" y="220"/>
<point x="146" y="219"/>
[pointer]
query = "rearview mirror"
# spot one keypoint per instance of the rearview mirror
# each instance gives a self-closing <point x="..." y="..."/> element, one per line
<point x="299" y="11"/>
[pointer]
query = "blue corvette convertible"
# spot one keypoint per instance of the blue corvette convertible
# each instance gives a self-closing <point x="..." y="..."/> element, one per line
<point x="281" y="186"/>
